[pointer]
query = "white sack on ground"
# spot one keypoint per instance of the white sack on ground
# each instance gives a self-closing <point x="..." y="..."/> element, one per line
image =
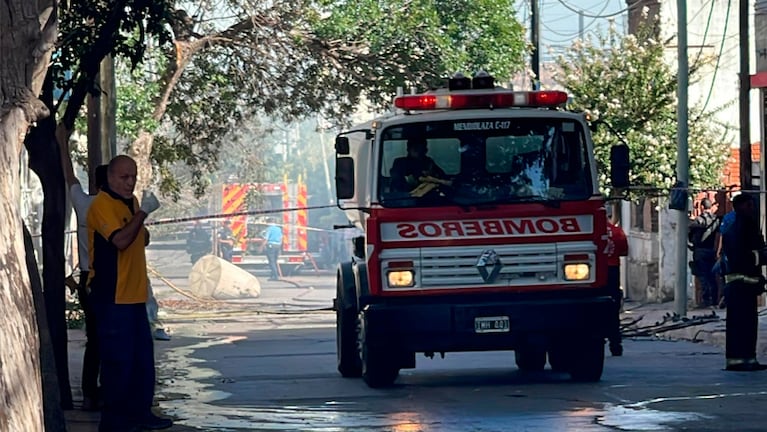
<point x="216" y="278"/>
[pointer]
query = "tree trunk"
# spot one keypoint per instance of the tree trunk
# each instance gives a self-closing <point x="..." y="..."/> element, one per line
<point x="141" y="151"/>
<point x="53" y="415"/>
<point x="20" y="390"/>
<point x="45" y="162"/>
<point x="27" y="35"/>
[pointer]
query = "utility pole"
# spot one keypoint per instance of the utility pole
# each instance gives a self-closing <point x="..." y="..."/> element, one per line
<point x="580" y="25"/>
<point x="108" y="103"/>
<point x="746" y="182"/>
<point x="682" y="159"/>
<point x="102" y="113"/>
<point x="535" y="32"/>
<point x="328" y="183"/>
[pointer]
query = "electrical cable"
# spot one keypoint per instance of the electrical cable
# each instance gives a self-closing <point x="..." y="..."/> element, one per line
<point x="718" y="58"/>
<point x="705" y="32"/>
<point x="235" y="214"/>
<point x="610" y="15"/>
<point x="578" y="33"/>
<point x="251" y="310"/>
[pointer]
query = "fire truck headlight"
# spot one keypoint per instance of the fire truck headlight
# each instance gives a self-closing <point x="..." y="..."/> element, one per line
<point x="577" y="272"/>
<point x="401" y="278"/>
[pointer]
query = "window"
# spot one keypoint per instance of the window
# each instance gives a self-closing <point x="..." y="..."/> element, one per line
<point x="469" y="162"/>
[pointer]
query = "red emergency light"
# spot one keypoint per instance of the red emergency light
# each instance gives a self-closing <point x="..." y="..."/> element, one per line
<point x="492" y="99"/>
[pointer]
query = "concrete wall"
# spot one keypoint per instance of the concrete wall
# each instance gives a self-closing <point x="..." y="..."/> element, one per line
<point x="641" y="266"/>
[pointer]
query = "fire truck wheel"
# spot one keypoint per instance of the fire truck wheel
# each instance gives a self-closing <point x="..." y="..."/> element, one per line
<point x="378" y="367"/>
<point x="558" y="358"/>
<point x="588" y="360"/>
<point x="349" y="362"/>
<point x="530" y="359"/>
<point x="379" y="362"/>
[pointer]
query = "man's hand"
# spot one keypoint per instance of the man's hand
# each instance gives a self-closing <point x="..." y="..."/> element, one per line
<point x="149" y="202"/>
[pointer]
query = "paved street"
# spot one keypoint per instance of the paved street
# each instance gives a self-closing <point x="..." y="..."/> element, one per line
<point x="270" y="374"/>
<point x="263" y="365"/>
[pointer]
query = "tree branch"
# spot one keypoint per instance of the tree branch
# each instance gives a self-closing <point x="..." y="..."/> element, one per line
<point x="91" y="62"/>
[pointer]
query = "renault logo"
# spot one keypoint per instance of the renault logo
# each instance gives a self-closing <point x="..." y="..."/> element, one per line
<point x="489" y="265"/>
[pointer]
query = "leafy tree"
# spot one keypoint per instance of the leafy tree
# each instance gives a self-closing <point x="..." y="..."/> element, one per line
<point x="233" y="60"/>
<point x="627" y="82"/>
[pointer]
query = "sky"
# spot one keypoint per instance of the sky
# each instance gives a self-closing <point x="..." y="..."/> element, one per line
<point x="559" y="25"/>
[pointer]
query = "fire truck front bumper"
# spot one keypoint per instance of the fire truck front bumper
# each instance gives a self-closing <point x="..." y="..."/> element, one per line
<point x="446" y="327"/>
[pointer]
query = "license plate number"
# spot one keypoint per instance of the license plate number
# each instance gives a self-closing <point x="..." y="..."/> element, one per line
<point x="496" y="324"/>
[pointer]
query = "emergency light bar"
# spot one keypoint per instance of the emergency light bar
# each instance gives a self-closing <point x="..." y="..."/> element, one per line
<point x="494" y="99"/>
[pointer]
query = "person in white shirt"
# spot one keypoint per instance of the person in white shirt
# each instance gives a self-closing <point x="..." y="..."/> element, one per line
<point x="81" y="202"/>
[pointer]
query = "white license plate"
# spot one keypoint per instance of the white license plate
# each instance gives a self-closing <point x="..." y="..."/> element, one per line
<point x="496" y="324"/>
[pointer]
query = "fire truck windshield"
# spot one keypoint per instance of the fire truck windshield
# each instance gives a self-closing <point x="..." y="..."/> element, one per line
<point x="473" y="162"/>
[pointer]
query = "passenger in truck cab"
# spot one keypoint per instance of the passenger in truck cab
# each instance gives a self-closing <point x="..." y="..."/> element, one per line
<point x="407" y="171"/>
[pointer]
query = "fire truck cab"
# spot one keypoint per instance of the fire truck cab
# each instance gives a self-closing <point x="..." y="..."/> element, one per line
<point x="484" y="229"/>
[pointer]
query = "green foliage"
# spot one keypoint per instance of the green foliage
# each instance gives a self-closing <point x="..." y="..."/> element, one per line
<point x="91" y="29"/>
<point x="418" y="43"/>
<point x="73" y="312"/>
<point x="135" y="102"/>
<point x="627" y="82"/>
<point x="291" y="59"/>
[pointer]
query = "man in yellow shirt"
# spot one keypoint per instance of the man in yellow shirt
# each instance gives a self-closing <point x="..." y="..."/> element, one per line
<point x="118" y="283"/>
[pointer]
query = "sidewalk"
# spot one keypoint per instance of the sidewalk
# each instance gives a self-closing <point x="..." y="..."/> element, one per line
<point x="77" y="419"/>
<point x="705" y="325"/>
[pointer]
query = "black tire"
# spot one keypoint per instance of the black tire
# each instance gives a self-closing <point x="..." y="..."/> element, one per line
<point x="558" y="359"/>
<point x="530" y="359"/>
<point x="587" y="362"/>
<point x="379" y="367"/>
<point x="349" y="361"/>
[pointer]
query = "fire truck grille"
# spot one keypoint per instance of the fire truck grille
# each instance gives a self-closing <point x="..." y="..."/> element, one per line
<point x="521" y="265"/>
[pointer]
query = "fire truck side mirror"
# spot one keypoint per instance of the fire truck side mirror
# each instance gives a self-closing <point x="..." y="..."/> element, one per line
<point x="620" y="164"/>
<point x="344" y="178"/>
<point x="342" y="145"/>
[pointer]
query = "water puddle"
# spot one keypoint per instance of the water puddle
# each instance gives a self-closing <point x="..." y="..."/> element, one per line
<point x="639" y="417"/>
<point x="634" y="418"/>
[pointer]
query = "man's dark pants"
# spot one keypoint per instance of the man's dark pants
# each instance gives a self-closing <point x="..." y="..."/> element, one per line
<point x="704" y="261"/>
<point x="272" y="253"/>
<point x="742" y="321"/>
<point x="91" y="358"/>
<point x="127" y="364"/>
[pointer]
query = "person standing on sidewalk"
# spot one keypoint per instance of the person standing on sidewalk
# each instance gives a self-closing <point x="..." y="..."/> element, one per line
<point x="152" y="310"/>
<point x="744" y="249"/>
<point x="617" y="246"/>
<point x="702" y="239"/>
<point x="117" y="240"/>
<point x="81" y="202"/>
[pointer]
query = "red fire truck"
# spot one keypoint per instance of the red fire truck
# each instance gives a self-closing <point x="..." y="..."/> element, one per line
<point x="285" y="204"/>
<point x="484" y="229"/>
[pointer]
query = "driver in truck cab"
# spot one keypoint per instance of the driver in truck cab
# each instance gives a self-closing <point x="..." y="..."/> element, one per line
<point x="406" y="172"/>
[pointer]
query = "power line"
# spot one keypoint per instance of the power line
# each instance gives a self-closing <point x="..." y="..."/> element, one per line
<point x="718" y="58"/>
<point x="571" y="35"/>
<point x="610" y="15"/>
<point x="705" y="32"/>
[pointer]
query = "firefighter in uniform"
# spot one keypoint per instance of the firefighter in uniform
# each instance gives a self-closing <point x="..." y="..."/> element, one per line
<point x="743" y="248"/>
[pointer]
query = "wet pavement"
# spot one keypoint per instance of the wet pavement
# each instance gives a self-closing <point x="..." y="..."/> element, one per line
<point x="263" y="365"/>
<point x="284" y="380"/>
